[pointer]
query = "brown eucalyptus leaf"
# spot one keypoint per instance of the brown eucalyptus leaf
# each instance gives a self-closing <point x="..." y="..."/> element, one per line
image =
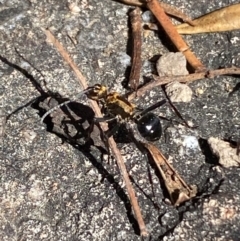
<point x="224" y="19"/>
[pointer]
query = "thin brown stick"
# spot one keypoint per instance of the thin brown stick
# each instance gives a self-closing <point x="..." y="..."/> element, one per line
<point x="112" y="143"/>
<point x="224" y="71"/>
<point x="137" y="48"/>
<point x="158" y="81"/>
<point x="173" y="34"/>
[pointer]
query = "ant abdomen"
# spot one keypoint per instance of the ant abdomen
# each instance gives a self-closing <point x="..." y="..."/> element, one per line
<point x="149" y="126"/>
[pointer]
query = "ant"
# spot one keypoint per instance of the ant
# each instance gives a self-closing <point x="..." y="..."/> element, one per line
<point x="120" y="109"/>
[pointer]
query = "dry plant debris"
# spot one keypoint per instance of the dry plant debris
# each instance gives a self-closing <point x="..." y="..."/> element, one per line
<point x="172" y="33"/>
<point x="178" y="190"/>
<point x="159" y="81"/>
<point x="135" y="16"/>
<point x="184" y="192"/>
<point x="159" y="9"/>
<point x="224" y="19"/>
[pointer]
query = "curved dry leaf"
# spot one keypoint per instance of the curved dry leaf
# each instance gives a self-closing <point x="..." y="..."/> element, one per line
<point x="224" y="19"/>
<point x="178" y="190"/>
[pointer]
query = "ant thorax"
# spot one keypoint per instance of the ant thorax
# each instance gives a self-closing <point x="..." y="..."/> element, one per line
<point x="119" y="106"/>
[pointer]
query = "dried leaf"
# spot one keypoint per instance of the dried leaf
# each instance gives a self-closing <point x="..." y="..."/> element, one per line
<point x="224" y="19"/>
<point x="178" y="190"/>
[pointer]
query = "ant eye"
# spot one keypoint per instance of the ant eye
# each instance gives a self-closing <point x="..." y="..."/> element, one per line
<point x="149" y="127"/>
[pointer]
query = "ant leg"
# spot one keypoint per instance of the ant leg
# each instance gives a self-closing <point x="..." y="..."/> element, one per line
<point x="238" y="147"/>
<point x="150" y="108"/>
<point x="170" y="120"/>
<point x="105" y="135"/>
<point x="104" y="119"/>
<point x="175" y="110"/>
<point x="78" y="96"/>
<point x="132" y="127"/>
<point x="97" y="120"/>
<point x="154" y="106"/>
<point x="112" y="131"/>
<point x="177" y="113"/>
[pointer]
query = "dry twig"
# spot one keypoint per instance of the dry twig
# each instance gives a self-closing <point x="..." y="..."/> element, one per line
<point x="183" y="79"/>
<point x="137" y="48"/>
<point x="112" y="143"/>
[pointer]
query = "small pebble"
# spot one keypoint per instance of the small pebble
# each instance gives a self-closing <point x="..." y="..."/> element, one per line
<point x="172" y="64"/>
<point x="178" y="92"/>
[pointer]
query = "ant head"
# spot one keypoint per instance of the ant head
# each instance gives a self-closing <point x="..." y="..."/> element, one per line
<point x="97" y="92"/>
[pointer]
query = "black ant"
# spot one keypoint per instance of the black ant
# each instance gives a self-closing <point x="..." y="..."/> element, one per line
<point x="120" y="109"/>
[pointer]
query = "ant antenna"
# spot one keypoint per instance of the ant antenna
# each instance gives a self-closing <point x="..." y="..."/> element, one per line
<point x="65" y="103"/>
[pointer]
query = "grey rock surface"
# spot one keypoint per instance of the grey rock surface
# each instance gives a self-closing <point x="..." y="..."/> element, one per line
<point x="52" y="189"/>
